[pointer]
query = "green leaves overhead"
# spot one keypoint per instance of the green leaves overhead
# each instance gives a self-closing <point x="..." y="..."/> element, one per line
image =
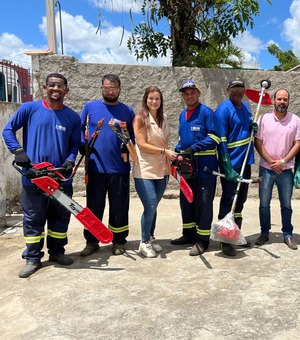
<point x="194" y="26"/>
<point x="287" y="59"/>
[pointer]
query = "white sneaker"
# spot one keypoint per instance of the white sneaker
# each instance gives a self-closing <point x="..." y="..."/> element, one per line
<point x="155" y="245"/>
<point x="146" y="249"/>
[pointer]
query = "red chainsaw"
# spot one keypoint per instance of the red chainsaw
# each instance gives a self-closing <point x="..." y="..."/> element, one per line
<point x="46" y="177"/>
<point x="181" y="169"/>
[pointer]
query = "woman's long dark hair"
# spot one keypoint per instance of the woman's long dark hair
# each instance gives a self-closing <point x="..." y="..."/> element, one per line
<point x="143" y="114"/>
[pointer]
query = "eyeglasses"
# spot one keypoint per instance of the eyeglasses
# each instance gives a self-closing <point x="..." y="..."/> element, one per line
<point x="59" y="85"/>
<point x="110" y="89"/>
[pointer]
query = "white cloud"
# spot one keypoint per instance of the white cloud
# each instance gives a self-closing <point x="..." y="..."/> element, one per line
<point x="251" y="47"/>
<point x="273" y="21"/>
<point x="118" y="5"/>
<point x="80" y="39"/>
<point x="248" y="43"/>
<point x="291" y="27"/>
<point x="12" y="48"/>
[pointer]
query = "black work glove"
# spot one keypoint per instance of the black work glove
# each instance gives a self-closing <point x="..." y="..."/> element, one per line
<point x="22" y="159"/>
<point x="68" y="166"/>
<point x="188" y="152"/>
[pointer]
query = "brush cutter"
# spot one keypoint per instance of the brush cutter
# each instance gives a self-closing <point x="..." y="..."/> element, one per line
<point x="226" y="230"/>
<point x="46" y="177"/>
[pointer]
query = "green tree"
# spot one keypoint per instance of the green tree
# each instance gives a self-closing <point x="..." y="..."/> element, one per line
<point x="287" y="59"/>
<point x="216" y="55"/>
<point x="194" y="26"/>
<point x="7" y="61"/>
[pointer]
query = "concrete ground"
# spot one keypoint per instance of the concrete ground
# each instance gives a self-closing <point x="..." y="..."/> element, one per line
<point x="255" y="295"/>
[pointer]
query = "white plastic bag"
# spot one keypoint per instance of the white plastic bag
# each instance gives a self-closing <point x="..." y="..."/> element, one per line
<point x="227" y="231"/>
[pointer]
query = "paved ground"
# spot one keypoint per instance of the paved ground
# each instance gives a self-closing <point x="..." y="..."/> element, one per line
<point x="174" y="296"/>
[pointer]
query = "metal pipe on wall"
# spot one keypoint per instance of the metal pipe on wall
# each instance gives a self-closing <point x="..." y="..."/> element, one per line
<point x="51" y="30"/>
<point x="57" y="3"/>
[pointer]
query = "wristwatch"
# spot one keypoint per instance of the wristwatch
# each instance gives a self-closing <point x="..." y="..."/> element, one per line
<point x="282" y="161"/>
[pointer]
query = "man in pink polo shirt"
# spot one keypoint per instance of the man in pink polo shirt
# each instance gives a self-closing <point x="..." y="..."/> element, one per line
<point x="277" y="142"/>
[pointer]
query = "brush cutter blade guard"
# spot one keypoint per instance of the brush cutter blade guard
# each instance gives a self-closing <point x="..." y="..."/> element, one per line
<point x="254" y="96"/>
<point x="227" y="231"/>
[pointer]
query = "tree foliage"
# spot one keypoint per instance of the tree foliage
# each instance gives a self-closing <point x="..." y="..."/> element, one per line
<point x="195" y="26"/>
<point x="216" y="55"/>
<point x="287" y="59"/>
<point x="6" y="61"/>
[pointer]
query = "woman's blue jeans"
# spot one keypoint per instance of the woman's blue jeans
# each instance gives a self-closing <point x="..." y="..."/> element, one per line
<point x="150" y="192"/>
<point x="285" y="183"/>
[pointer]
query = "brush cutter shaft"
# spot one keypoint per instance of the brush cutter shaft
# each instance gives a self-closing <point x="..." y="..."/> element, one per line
<point x="263" y="88"/>
<point x="244" y="180"/>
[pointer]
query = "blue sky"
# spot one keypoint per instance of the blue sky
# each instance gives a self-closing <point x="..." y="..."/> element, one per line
<point x="23" y="27"/>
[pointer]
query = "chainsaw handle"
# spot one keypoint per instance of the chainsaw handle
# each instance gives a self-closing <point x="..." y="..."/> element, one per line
<point x="47" y="172"/>
<point x="18" y="168"/>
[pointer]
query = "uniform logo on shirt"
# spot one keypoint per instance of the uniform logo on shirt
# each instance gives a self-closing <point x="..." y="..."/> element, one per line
<point x="59" y="127"/>
<point x="195" y="128"/>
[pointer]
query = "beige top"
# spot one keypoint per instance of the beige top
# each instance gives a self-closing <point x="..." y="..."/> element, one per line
<point x="149" y="165"/>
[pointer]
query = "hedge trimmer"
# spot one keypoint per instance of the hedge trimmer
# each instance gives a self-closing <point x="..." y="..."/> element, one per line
<point x="120" y="129"/>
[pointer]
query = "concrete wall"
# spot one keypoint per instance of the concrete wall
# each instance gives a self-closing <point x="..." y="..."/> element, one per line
<point x="85" y="79"/>
<point x="10" y="184"/>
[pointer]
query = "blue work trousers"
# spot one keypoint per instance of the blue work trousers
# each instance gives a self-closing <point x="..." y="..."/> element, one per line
<point x="197" y="216"/>
<point x="116" y="186"/>
<point x="39" y="209"/>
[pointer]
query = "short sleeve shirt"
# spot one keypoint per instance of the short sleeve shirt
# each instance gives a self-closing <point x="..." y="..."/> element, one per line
<point x="278" y="136"/>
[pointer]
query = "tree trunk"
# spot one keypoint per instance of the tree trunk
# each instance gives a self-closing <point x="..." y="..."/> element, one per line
<point x="181" y="16"/>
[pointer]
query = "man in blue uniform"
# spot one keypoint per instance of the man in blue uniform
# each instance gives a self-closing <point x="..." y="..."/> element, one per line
<point x="234" y="127"/>
<point x="107" y="171"/>
<point x="51" y="133"/>
<point x="198" y="140"/>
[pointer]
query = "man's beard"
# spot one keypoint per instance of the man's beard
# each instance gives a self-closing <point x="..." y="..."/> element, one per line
<point x="281" y="108"/>
<point x="109" y="99"/>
